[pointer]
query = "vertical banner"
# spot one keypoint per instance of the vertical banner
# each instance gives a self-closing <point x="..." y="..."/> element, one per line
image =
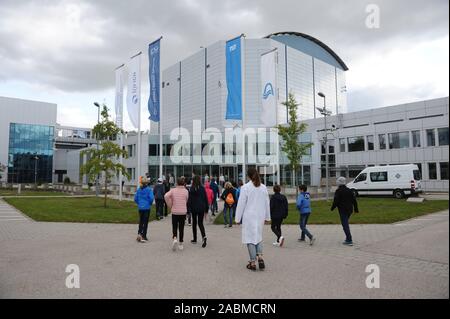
<point x="134" y="90"/>
<point x="268" y="87"/>
<point x="234" y="79"/>
<point x="119" y="96"/>
<point x="154" y="77"/>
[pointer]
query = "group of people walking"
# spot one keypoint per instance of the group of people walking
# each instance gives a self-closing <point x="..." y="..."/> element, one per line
<point x="247" y="204"/>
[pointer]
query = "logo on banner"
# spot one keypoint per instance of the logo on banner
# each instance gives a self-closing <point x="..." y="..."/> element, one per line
<point x="233" y="47"/>
<point x="135" y="99"/>
<point x="268" y="90"/>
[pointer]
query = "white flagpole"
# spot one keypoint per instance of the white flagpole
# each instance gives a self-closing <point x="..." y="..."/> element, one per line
<point x="120" y="122"/>
<point x="243" y="106"/>
<point x="160" y="114"/>
<point x="276" y="121"/>
<point x="139" y="129"/>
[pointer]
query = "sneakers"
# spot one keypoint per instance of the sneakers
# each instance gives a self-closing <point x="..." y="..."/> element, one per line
<point x="193" y="241"/>
<point x="174" y="244"/>
<point x="281" y="241"/>
<point x="225" y="226"/>
<point x="180" y="246"/>
<point x="276" y="244"/>
<point x="139" y="238"/>
<point x="204" y="242"/>
<point x="301" y="239"/>
<point x="348" y="243"/>
<point x="312" y="240"/>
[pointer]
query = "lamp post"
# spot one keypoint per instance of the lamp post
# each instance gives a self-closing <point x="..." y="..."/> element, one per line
<point x="36" y="158"/>
<point x="96" y="139"/>
<point x="325" y="113"/>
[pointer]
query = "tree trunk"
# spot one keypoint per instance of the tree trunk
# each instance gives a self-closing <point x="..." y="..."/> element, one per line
<point x="106" y="192"/>
<point x="294" y="182"/>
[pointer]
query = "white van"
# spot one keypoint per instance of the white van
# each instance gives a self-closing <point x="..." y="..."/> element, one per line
<point x="396" y="180"/>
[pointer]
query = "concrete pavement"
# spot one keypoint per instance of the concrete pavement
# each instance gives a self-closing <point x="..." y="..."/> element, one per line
<point x="413" y="258"/>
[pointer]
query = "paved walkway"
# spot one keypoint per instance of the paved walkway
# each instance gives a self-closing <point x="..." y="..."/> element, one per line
<point x="413" y="257"/>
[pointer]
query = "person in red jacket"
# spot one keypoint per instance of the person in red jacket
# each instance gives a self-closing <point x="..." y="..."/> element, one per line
<point x="209" y="195"/>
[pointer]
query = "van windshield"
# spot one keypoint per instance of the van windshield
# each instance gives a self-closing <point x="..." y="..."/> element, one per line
<point x="417" y="175"/>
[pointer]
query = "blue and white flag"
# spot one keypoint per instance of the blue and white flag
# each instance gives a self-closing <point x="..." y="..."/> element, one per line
<point x="119" y="96"/>
<point x="268" y="89"/>
<point x="154" y="76"/>
<point x="134" y="90"/>
<point x="234" y="79"/>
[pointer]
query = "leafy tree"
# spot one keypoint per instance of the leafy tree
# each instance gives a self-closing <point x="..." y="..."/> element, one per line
<point x="2" y="169"/>
<point x="104" y="159"/>
<point x="290" y="133"/>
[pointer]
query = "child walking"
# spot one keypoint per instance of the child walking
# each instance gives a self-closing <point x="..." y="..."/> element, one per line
<point x="304" y="208"/>
<point x="177" y="199"/>
<point x="144" y="199"/>
<point x="278" y="212"/>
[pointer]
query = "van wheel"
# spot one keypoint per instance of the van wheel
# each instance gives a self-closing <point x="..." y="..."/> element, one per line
<point x="355" y="192"/>
<point x="398" y="193"/>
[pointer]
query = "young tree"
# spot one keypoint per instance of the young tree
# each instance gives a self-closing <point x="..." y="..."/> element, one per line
<point x="104" y="159"/>
<point x="290" y="135"/>
<point x="2" y="169"/>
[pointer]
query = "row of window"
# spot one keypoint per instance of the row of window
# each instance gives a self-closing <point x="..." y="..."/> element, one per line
<point x="394" y="140"/>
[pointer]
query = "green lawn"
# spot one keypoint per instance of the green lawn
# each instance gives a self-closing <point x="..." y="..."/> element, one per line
<point x="83" y="210"/>
<point x="10" y="192"/>
<point x="371" y="211"/>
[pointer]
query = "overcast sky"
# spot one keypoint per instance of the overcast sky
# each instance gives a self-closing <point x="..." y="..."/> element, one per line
<point x="65" y="51"/>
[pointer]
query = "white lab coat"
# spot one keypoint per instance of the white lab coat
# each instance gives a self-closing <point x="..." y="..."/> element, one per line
<point x="252" y="210"/>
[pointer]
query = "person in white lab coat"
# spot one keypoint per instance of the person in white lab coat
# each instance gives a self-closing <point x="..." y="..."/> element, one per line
<point x="253" y="211"/>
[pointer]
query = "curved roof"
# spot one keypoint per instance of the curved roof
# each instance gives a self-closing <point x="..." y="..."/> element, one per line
<point x="316" y="41"/>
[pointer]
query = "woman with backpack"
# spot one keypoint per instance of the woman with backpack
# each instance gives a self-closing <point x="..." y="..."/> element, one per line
<point x="229" y="204"/>
<point x="253" y="211"/>
<point x="198" y="206"/>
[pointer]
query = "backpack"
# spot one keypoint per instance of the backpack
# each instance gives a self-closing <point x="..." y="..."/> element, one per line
<point x="229" y="199"/>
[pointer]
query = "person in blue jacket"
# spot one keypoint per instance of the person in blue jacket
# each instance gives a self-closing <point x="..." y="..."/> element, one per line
<point x="304" y="208"/>
<point x="144" y="199"/>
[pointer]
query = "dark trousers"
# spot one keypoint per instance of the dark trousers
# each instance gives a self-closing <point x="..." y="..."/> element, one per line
<point x="198" y="218"/>
<point x="303" y="222"/>
<point x="178" y="226"/>
<point x="159" y="207"/>
<point x="143" y="222"/>
<point x="345" y="225"/>
<point x="214" y="204"/>
<point x="165" y="208"/>
<point x="276" y="227"/>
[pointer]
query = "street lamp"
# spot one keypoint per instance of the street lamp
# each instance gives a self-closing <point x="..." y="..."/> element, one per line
<point x="36" y="158"/>
<point x="325" y="113"/>
<point x="96" y="138"/>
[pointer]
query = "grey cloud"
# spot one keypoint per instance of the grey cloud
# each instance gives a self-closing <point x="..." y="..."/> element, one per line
<point x="127" y="26"/>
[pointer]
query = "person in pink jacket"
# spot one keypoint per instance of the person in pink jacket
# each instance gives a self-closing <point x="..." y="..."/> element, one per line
<point x="209" y="194"/>
<point x="177" y="199"/>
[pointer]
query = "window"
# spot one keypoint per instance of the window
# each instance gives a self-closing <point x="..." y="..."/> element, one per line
<point x="443" y="136"/>
<point x="130" y="150"/>
<point x="361" y="178"/>
<point x="370" y="142"/>
<point x="382" y="141"/>
<point x="355" y="144"/>
<point x="415" y="138"/>
<point x="431" y="139"/>
<point x="330" y="146"/>
<point x="418" y="173"/>
<point x="444" y="170"/>
<point x="153" y="150"/>
<point x="342" y="145"/>
<point x="379" y="176"/>
<point x="398" y="140"/>
<point x="432" y="172"/>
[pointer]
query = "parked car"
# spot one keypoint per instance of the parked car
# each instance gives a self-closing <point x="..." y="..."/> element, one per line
<point x="396" y="180"/>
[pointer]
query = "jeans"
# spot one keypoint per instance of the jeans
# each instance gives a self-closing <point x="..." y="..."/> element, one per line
<point x="178" y="226"/>
<point x="228" y="212"/>
<point x="303" y="221"/>
<point x="198" y="218"/>
<point x="144" y="215"/>
<point x="345" y="225"/>
<point x="255" y="250"/>
<point x="276" y="227"/>
<point x="214" y="205"/>
<point x="159" y="207"/>
<point x="165" y="208"/>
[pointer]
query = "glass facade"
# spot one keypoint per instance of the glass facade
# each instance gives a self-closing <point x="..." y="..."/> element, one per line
<point x="382" y="141"/>
<point x="370" y="145"/>
<point x="355" y="144"/>
<point x="30" y="155"/>
<point x="431" y="138"/>
<point x="416" y="138"/>
<point x="443" y="136"/>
